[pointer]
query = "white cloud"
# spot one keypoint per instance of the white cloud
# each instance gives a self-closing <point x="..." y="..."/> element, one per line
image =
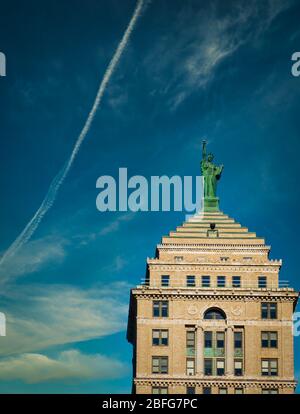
<point x="33" y="257"/>
<point x="114" y="225"/>
<point x="109" y="228"/>
<point x="39" y="317"/>
<point x="116" y="265"/>
<point x="202" y="40"/>
<point x="68" y="365"/>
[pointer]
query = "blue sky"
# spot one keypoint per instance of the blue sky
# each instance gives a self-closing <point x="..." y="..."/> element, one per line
<point x="220" y="70"/>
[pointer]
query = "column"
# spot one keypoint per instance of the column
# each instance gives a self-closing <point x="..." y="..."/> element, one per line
<point x="200" y="351"/>
<point x="229" y="351"/>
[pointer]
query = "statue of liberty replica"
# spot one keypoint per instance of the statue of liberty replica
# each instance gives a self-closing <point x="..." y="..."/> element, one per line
<point x="211" y="174"/>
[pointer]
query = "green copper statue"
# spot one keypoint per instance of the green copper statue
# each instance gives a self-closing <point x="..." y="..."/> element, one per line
<point x="211" y="173"/>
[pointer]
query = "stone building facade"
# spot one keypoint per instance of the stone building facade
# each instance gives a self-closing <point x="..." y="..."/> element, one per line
<point x="212" y="315"/>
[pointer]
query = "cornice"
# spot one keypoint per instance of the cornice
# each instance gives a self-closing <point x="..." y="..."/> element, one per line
<point x="269" y="267"/>
<point x="231" y="295"/>
<point x="242" y="383"/>
<point x="214" y="246"/>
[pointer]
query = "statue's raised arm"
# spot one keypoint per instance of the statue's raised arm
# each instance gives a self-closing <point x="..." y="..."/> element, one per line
<point x="203" y="150"/>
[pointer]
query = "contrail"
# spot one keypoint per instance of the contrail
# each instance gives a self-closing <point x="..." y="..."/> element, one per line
<point x="60" y="177"/>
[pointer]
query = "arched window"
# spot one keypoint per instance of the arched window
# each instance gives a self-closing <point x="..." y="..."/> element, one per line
<point x="214" y="313"/>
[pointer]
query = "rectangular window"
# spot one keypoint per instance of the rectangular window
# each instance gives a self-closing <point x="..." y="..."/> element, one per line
<point x="265" y="339"/>
<point x="165" y="280"/>
<point x="160" y="337"/>
<point x="273" y="310"/>
<point x="206" y="390"/>
<point x="220" y="367"/>
<point x="208" y="366"/>
<point x="236" y="281"/>
<point x="190" y="339"/>
<point x="222" y="390"/>
<point x="208" y="339"/>
<point x="190" y="366"/>
<point x="269" y="391"/>
<point x="178" y="258"/>
<point x="159" y="365"/>
<point x="224" y="259"/>
<point x="220" y="336"/>
<point x="205" y="281"/>
<point x="269" y="310"/>
<point x="159" y="390"/>
<point x="239" y="391"/>
<point x="269" y="339"/>
<point x="190" y="281"/>
<point x="160" y="308"/>
<point x="190" y="390"/>
<point x="273" y="339"/>
<point x="262" y="282"/>
<point x="238" y="367"/>
<point x="238" y="340"/>
<point x="269" y="367"/>
<point x="221" y="281"/>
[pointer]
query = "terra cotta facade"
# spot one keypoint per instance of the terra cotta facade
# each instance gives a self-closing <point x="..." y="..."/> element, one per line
<point x="211" y="315"/>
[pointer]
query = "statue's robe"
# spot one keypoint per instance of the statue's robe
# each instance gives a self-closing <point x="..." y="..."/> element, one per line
<point x="211" y="174"/>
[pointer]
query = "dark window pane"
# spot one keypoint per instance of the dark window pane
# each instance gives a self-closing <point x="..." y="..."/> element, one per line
<point x="273" y="310"/>
<point x="220" y="340"/>
<point x="160" y="308"/>
<point x="208" y="367"/>
<point x="273" y="339"/>
<point x="208" y="339"/>
<point x="155" y="308"/>
<point x="205" y="281"/>
<point x="190" y="390"/>
<point x="221" y="281"/>
<point x="214" y="314"/>
<point x="164" y="308"/>
<point x="190" y="281"/>
<point x="165" y="279"/>
<point x="262" y="282"/>
<point x="238" y="340"/>
<point x="264" y="310"/>
<point x="236" y="281"/>
<point x="206" y="390"/>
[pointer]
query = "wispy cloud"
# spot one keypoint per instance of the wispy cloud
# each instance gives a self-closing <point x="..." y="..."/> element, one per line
<point x="109" y="228"/>
<point x="68" y="365"/>
<point x="117" y="264"/>
<point x="33" y="257"/>
<point x="39" y="317"/>
<point x="203" y="40"/>
<point x="114" y="225"/>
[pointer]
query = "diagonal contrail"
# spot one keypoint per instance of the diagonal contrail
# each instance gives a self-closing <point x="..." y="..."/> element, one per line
<point x="60" y="177"/>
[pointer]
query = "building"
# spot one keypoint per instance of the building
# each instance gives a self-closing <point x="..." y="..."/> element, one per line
<point x="212" y="315"/>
